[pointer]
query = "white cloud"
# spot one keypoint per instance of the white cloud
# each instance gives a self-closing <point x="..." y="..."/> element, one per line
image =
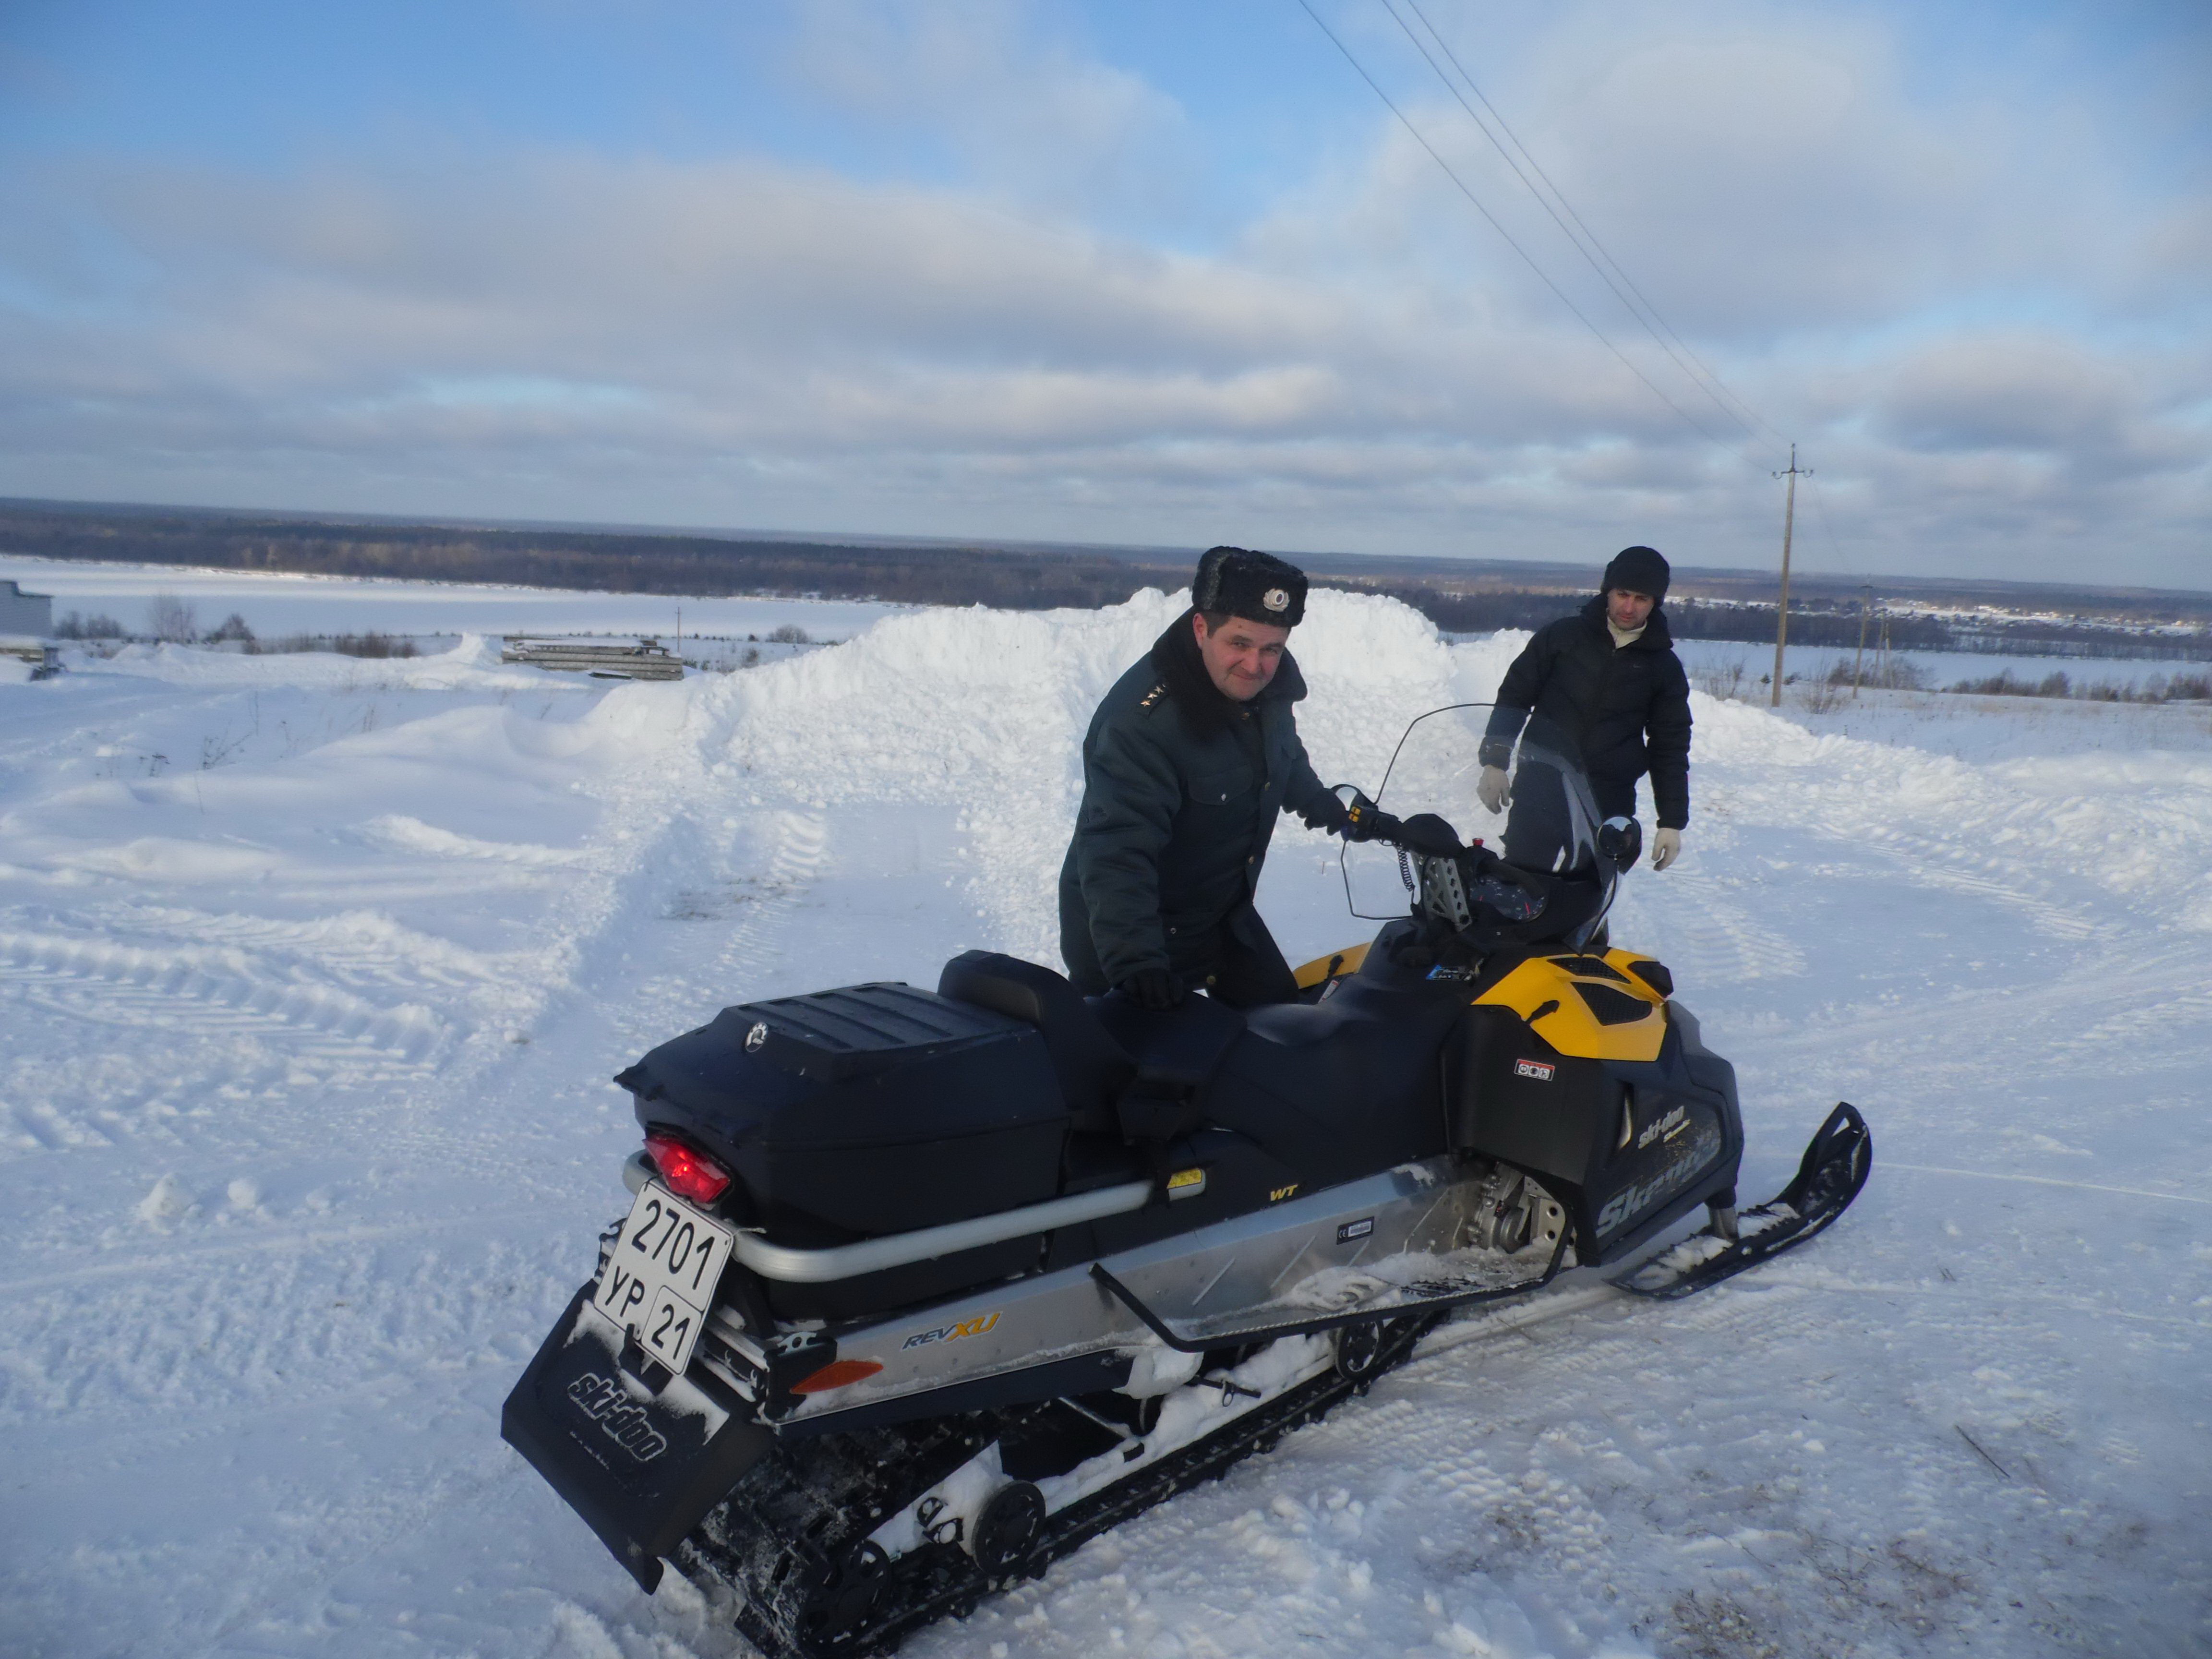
<point x="1359" y="364"/>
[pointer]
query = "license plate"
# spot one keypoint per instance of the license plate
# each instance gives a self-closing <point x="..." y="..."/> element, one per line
<point x="659" y="1280"/>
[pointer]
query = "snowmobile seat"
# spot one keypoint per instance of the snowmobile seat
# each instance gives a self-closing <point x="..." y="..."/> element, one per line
<point x="1177" y="1049"/>
<point x="1092" y="1069"/>
<point x="1344" y="1087"/>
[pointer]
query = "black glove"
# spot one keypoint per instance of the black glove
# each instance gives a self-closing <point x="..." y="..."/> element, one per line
<point x="1152" y="987"/>
<point x="1425" y="832"/>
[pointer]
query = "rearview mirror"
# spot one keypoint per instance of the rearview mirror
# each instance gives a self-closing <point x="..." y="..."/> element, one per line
<point x="1620" y="842"/>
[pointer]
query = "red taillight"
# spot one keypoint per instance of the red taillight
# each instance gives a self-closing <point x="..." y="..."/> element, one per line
<point x="689" y="1174"/>
<point x="835" y="1375"/>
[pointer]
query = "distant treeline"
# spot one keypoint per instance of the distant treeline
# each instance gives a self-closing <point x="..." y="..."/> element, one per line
<point x="1688" y="618"/>
<point x="1010" y="579"/>
<point x="1817" y="623"/>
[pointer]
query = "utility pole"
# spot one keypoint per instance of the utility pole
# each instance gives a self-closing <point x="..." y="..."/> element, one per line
<point x="1782" y="612"/>
<point x="1866" y="603"/>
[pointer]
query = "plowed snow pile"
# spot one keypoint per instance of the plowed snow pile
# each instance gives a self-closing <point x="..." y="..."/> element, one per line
<point x="313" y="974"/>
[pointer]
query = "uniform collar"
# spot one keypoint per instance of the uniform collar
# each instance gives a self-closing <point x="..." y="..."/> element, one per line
<point x="1182" y="671"/>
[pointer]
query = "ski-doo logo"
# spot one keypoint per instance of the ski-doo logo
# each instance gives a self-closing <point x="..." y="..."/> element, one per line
<point x="620" y="1418"/>
<point x="974" y="1327"/>
<point x="1669" y="1126"/>
<point x="1542" y="1071"/>
<point x="1625" y="1204"/>
<point x="757" y="1036"/>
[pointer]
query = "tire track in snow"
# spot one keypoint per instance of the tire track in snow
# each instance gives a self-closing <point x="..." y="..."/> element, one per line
<point x="140" y="985"/>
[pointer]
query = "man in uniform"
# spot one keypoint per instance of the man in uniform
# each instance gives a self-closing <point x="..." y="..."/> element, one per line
<point x="1608" y="679"/>
<point x="1186" y="764"/>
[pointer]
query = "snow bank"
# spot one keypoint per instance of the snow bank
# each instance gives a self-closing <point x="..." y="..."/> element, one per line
<point x="473" y="665"/>
<point x="983" y="712"/>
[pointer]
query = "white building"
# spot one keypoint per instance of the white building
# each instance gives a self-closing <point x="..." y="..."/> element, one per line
<point x="31" y="614"/>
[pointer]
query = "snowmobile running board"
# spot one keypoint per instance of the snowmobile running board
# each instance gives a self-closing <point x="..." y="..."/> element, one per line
<point x="1443" y="1296"/>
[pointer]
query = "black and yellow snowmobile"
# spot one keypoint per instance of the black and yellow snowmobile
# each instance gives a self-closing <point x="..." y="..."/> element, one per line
<point x="921" y="1289"/>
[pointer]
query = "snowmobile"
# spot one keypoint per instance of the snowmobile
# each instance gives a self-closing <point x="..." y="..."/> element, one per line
<point x="920" y="1290"/>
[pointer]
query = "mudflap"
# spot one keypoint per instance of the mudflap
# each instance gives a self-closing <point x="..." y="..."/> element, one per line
<point x="641" y="1468"/>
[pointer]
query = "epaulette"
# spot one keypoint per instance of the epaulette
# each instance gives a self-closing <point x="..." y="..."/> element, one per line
<point x="1152" y="696"/>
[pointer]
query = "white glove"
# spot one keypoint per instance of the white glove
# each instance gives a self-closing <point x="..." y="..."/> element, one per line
<point x="1489" y="789"/>
<point x="1666" y="848"/>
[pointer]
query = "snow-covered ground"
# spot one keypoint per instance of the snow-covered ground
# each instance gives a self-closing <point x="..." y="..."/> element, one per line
<point x="1710" y="660"/>
<point x="275" y="604"/>
<point x="314" y="972"/>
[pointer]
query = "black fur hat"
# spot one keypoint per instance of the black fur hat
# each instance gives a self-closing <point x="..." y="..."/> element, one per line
<point x="1257" y="587"/>
<point x="1638" y="570"/>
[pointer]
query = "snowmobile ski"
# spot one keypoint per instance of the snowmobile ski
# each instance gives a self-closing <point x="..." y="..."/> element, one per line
<point x="1835" y="1166"/>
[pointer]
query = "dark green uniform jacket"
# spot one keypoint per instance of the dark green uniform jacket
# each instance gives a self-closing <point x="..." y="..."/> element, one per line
<point x="1626" y="708"/>
<point x="1180" y="790"/>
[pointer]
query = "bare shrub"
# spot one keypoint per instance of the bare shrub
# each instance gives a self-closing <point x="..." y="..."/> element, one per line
<point x="372" y="644"/>
<point x="789" y="634"/>
<point x="1825" y="696"/>
<point x="231" y="629"/>
<point x="97" y="626"/>
<point x="2006" y="683"/>
<point x="1726" y="684"/>
<point x="173" y="621"/>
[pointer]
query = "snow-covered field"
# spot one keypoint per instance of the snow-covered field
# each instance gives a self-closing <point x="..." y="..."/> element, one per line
<point x="1708" y="660"/>
<point x="314" y="972"/>
<point x="275" y="604"/>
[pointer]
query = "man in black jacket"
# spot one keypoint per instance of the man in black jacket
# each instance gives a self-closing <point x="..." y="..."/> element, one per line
<point x="1608" y="679"/>
<point x="1187" y="762"/>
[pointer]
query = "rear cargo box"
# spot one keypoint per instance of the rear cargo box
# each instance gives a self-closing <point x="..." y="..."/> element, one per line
<point x="876" y="1108"/>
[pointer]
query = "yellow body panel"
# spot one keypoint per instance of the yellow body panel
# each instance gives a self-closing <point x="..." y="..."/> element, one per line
<point x="1568" y="1024"/>
<point x="1346" y="961"/>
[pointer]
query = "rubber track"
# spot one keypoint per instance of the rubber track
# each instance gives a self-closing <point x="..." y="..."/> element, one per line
<point x="773" y="1540"/>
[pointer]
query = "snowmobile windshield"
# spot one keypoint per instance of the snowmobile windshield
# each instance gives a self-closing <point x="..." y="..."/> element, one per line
<point x="1546" y="823"/>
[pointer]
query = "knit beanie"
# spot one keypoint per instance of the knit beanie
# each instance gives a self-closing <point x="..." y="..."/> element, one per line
<point x="1637" y="570"/>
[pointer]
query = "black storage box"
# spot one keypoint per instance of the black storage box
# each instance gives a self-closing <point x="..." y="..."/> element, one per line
<point x="871" y="1109"/>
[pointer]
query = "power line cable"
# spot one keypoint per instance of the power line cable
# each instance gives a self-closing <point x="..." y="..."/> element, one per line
<point x="1661" y="331"/>
<point x="1604" y="339"/>
<point x="1820" y="507"/>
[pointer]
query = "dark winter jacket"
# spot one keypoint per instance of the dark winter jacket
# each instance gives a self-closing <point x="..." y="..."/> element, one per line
<point x="1180" y="790"/>
<point x="1626" y="708"/>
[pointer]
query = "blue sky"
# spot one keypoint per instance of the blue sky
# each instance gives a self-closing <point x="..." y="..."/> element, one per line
<point x="1135" y="272"/>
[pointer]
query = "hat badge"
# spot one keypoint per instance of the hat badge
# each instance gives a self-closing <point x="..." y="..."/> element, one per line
<point x="1276" y="598"/>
